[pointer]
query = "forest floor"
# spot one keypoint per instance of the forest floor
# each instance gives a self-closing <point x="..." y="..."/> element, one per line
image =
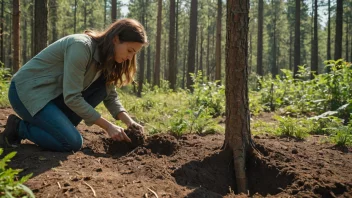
<point x="190" y="166"/>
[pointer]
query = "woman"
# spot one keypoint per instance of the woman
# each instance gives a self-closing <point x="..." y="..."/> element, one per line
<point x="63" y="84"/>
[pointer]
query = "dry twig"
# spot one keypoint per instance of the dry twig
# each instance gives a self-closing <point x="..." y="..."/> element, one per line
<point x="156" y="195"/>
<point x="90" y="188"/>
<point x="58" y="183"/>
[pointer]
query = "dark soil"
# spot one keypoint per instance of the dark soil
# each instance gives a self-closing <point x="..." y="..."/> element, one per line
<point x="137" y="137"/>
<point x="190" y="166"/>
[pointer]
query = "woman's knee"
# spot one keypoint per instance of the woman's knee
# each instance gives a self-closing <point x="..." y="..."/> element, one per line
<point x="74" y="143"/>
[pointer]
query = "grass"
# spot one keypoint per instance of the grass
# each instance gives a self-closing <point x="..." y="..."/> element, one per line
<point x="167" y="112"/>
<point x="10" y="185"/>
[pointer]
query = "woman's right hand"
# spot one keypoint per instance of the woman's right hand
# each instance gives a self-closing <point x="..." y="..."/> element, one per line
<point x="117" y="133"/>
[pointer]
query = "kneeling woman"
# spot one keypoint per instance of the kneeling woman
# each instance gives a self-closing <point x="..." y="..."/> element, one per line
<point x="63" y="84"/>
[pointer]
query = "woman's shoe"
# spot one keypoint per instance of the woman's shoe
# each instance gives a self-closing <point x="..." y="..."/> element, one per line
<point x="10" y="136"/>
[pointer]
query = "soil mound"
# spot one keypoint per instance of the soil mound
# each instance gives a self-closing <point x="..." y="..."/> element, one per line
<point x="163" y="144"/>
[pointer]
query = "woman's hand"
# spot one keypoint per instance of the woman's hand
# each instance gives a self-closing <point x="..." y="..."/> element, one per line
<point x="136" y="126"/>
<point x="117" y="133"/>
<point x="125" y="118"/>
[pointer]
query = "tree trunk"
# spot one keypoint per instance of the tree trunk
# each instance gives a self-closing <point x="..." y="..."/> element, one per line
<point x="148" y="49"/>
<point x="274" y="69"/>
<point x="53" y="18"/>
<point x="141" y="65"/>
<point x="16" y="35"/>
<point x="218" y="43"/>
<point x="176" y="43"/>
<point x="40" y="26"/>
<point x="314" y="60"/>
<point x="338" y="35"/>
<point x="347" y="34"/>
<point x="9" y="59"/>
<point x="351" y="38"/>
<point x="75" y="18"/>
<point x="184" y="54"/>
<point x="157" y="48"/>
<point x="2" y="54"/>
<point x="141" y="73"/>
<point x="213" y="61"/>
<point x="328" y="51"/>
<point x="25" y="42"/>
<point x="172" y="69"/>
<point x="200" y="67"/>
<point x="208" y="47"/>
<point x="290" y="52"/>
<point x="297" y="51"/>
<point x="237" y="131"/>
<point x="197" y="47"/>
<point x="113" y="10"/>
<point x="166" y="69"/>
<point x="192" y="42"/>
<point x="85" y="16"/>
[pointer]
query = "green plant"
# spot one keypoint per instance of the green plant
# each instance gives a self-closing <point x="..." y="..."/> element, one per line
<point x="9" y="185"/>
<point x="342" y="136"/>
<point x="293" y="127"/>
<point x="323" y="125"/>
<point x="259" y="127"/>
<point x="207" y="94"/>
<point x="5" y="76"/>
<point x="301" y="96"/>
<point x="178" y="126"/>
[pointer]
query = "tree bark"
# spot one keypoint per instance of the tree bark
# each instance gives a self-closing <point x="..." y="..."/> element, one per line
<point x="314" y="60"/>
<point x="218" y="43"/>
<point x="328" y="51"/>
<point x="40" y="26"/>
<point x="53" y="18"/>
<point x="274" y="68"/>
<point x="260" y="71"/>
<point x="85" y="16"/>
<point x="75" y="18"/>
<point x="148" y="49"/>
<point x="200" y="67"/>
<point x="9" y="59"/>
<point x="192" y="43"/>
<point x="113" y="10"/>
<point x="142" y="58"/>
<point x="347" y="41"/>
<point x="237" y="131"/>
<point x="338" y="35"/>
<point x="16" y="36"/>
<point x="2" y="54"/>
<point x="297" y="51"/>
<point x="176" y="43"/>
<point x="172" y="68"/>
<point x="208" y="47"/>
<point x="25" y="42"/>
<point x="184" y="54"/>
<point x="166" y="69"/>
<point x="158" y="44"/>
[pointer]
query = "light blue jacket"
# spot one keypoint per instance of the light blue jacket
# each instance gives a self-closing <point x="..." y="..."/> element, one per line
<point x="66" y="66"/>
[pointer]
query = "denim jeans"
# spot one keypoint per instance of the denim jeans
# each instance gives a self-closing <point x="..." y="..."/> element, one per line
<point x="54" y="126"/>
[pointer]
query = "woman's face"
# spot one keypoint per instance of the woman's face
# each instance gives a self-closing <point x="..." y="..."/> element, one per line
<point x="125" y="50"/>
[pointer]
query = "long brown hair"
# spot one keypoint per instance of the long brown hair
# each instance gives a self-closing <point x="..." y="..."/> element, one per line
<point x="127" y="30"/>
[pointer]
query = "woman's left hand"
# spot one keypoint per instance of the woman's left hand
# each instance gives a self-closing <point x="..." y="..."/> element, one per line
<point x="125" y="118"/>
<point x="137" y="126"/>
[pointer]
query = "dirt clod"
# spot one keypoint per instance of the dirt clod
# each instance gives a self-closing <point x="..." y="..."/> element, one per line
<point x="137" y="137"/>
